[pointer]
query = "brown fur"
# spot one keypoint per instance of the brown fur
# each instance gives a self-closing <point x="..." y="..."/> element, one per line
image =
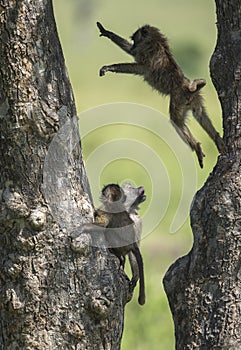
<point x="155" y="62"/>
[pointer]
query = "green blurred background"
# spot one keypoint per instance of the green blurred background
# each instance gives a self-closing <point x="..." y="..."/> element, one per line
<point x="190" y="27"/>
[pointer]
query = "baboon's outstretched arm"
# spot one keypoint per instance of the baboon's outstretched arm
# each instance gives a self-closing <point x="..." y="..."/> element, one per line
<point x="128" y="68"/>
<point x="118" y="40"/>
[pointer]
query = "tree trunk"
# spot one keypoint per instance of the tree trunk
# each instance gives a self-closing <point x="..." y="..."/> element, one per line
<point x="204" y="287"/>
<point x="53" y="294"/>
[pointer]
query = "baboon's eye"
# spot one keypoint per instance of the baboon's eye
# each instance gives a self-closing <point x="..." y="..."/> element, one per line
<point x="144" y="31"/>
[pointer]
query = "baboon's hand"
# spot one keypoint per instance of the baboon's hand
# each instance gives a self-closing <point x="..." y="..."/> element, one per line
<point x="220" y="144"/>
<point x="77" y="233"/>
<point x="103" y="31"/>
<point x="133" y="283"/>
<point x="103" y="70"/>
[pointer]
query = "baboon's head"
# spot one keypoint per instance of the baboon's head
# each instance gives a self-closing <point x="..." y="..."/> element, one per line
<point x="112" y="193"/>
<point x="141" y="35"/>
<point x="147" y="36"/>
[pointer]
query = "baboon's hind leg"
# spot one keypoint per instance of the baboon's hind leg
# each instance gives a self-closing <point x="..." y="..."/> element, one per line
<point x="187" y="137"/>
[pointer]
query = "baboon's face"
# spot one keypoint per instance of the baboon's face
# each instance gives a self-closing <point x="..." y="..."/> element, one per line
<point x="140" y="35"/>
<point x="134" y="196"/>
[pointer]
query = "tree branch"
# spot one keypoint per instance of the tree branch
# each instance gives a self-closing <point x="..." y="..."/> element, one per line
<point x="203" y="287"/>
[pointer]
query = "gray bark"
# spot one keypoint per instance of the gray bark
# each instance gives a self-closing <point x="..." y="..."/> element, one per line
<point x="53" y="294"/>
<point x="204" y="287"/>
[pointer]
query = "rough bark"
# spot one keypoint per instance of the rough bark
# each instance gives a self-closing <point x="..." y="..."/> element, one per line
<point x="53" y="294"/>
<point x="204" y="287"/>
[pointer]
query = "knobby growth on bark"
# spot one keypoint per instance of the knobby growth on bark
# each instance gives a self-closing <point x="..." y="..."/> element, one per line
<point x="53" y="295"/>
<point x="204" y="287"/>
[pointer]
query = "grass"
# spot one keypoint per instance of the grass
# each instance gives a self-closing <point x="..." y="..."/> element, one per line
<point x="126" y="141"/>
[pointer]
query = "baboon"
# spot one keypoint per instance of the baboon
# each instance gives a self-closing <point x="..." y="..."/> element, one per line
<point x="155" y="62"/>
<point x="112" y="220"/>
